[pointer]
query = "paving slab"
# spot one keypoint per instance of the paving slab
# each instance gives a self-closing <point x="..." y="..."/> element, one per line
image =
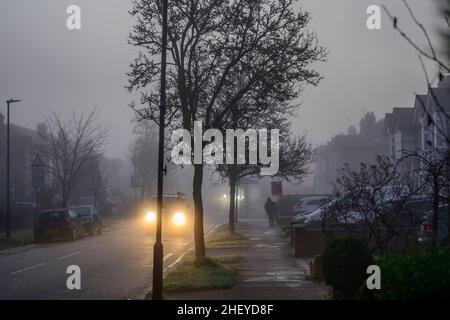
<point x="266" y="269"/>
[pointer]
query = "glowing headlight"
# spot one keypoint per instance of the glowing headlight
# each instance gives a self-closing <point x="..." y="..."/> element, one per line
<point x="179" y="218"/>
<point x="150" y="216"/>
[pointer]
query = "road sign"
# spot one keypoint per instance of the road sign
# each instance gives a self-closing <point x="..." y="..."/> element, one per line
<point x="277" y="188"/>
<point x="37" y="172"/>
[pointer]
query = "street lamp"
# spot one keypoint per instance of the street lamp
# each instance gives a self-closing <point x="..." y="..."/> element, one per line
<point x="8" y="209"/>
<point x="158" y="247"/>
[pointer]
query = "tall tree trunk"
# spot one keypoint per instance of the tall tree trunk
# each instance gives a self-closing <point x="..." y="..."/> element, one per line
<point x="142" y="191"/>
<point x="199" y="237"/>
<point x="232" y="212"/>
<point x="64" y="196"/>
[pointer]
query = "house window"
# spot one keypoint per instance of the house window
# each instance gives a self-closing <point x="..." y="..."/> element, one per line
<point x="440" y="131"/>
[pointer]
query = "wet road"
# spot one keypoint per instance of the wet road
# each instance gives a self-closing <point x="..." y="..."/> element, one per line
<point x="114" y="265"/>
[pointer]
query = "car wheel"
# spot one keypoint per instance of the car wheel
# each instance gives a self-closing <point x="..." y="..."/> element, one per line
<point x="38" y="238"/>
<point x="91" y="230"/>
<point x="74" y="234"/>
<point x="83" y="233"/>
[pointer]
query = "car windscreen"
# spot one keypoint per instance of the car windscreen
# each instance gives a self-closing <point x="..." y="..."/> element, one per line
<point x="82" y="211"/>
<point x="171" y="201"/>
<point x="315" y="202"/>
<point x="51" y="215"/>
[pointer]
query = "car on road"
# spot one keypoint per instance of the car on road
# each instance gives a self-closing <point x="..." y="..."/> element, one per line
<point x="58" y="223"/>
<point x="176" y="214"/>
<point x="90" y="218"/>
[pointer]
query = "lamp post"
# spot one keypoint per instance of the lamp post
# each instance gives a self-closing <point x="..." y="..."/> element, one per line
<point x="158" y="247"/>
<point x="8" y="205"/>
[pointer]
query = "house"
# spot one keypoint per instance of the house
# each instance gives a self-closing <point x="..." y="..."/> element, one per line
<point x="419" y="129"/>
<point x="22" y="153"/>
<point x="351" y="149"/>
<point x="432" y="116"/>
<point x="403" y="137"/>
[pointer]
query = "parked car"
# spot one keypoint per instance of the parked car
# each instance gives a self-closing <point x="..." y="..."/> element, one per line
<point x="90" y="218"/>
<point x="307" y="205"/>
<point x="57" y="223"/>
<point x="425" y="235"/>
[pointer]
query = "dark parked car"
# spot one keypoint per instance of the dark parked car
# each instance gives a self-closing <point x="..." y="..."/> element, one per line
<point x="57" y="223"/>
<point x="426" y="230"/>
<point x="90" y="218"/>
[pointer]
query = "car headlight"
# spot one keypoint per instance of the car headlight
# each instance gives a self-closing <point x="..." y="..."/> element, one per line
<point x="150" y="216"/>
<point x="179" y="218"/>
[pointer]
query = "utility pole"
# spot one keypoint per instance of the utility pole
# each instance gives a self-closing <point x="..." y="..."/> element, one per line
<point x="8" y="205"/>
<point x="158" y="247"/>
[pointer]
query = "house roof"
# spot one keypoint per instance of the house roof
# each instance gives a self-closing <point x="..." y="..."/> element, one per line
<point x="17" y="130"/>
<point x="399" y="118"/>
<point x="419" y="105"/>
<point x="438" y="100"/>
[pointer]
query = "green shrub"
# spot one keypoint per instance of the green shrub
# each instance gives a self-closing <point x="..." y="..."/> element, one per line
<point x="423" y="274"/>
<point x="344" y="266"/>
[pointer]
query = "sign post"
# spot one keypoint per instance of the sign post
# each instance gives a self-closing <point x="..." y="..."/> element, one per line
<point x="37" y="176"/>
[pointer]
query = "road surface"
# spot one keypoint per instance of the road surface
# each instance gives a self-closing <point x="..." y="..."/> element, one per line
<point x="114" y="265"/>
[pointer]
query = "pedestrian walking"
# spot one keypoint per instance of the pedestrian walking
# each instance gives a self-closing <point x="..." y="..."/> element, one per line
<point x="271" y="209"/>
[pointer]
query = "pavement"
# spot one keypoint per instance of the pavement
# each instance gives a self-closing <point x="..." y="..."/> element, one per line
<point x="114" y="265"/>
<point x="266" y="268"/>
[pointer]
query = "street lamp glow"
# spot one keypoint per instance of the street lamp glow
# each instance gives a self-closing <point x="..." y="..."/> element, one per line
<point x="224" y="196"/>
<point x="179" y="218"/>
<point x="150" y="216"/>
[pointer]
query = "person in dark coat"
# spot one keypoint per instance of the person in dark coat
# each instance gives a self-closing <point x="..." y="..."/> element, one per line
<point x="271" y="209"/>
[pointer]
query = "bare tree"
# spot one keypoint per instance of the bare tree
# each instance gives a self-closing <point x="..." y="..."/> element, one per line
<point x="433" y="175"/>
<point x="102" y="176"/>
<point x="370" y="205"/>
<point x="70" y="148"/>
<point x="143" y="155"/>
<point x="264" y="44"/>
<point x="295" y="156"/>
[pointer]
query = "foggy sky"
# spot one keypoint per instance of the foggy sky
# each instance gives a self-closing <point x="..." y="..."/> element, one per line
<point x="52" y="68"/>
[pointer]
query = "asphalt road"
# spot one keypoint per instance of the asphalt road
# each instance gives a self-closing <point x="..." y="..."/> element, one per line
<point x="114" y="265"/>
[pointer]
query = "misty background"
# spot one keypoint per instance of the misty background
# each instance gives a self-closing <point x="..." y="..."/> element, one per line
<point x="53" y="68"/>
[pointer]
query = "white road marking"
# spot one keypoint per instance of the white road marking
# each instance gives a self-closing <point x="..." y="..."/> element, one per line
<point x="168" y="256"/>
<point x="209" y="232"/>
<point x="179" y="258"/>
<point x="28" y="268"/>
<point x="18" y="249"/>
<point x="68" y="255"/>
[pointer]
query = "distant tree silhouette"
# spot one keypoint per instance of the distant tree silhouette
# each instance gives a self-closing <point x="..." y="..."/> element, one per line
<point x="222" y="53"/>
<point x="352" y="131"/>
<point x="70" y="148"/>
<point x="367" y="122"/>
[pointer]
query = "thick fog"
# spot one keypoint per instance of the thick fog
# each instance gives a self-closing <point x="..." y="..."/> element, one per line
<point x="50" y="67"/>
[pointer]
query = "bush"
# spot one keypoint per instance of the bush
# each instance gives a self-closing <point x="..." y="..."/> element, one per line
<point x="344" y="266"/>
<point x="423" y="274"/>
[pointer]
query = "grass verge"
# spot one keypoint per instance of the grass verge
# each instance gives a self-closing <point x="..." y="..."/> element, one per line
<point x="222" y="238"/>
<point x="212" y="274"/>
<point x="18" y="238"/>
